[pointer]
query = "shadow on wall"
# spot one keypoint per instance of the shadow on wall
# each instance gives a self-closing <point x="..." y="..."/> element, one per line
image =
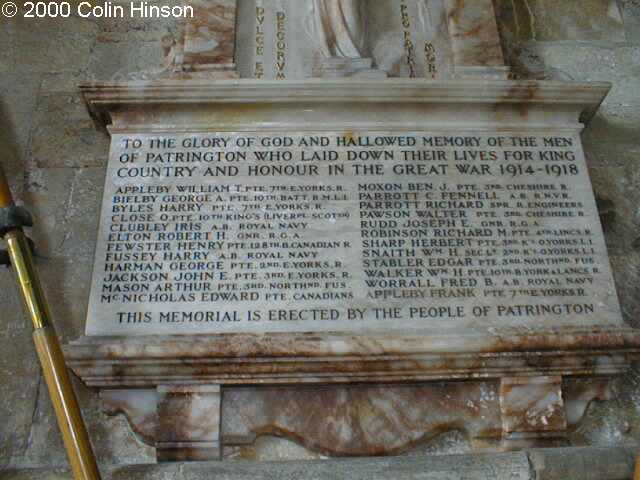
<point x="611" y="145"/>
<point x="9" y="152"/>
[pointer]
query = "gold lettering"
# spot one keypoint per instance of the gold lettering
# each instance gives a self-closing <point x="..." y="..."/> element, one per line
<point x="431" y="59"/>
<point x="281" y="45"/>
<point x="408" y="42"/>
<point x="259" y="67"/>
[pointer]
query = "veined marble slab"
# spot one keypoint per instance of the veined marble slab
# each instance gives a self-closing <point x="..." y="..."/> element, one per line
<point x="350" y="231"/>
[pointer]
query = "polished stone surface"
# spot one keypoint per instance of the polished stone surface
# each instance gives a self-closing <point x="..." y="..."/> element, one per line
<point x="361" y="420"/>
<point x="334" y="230"/>
<point x="532" y="407"/>
<point x="188" y="425"/>
<point x="544" y="20"/>
<point x="527" y="363"/>
<point x="67" y="181"/>
<point x="474" y="33"/>
<point x="316" y="358"/>
<point x="206" y="47"/>
<point x="304" y="248"/>
<point x="438" y="39"/>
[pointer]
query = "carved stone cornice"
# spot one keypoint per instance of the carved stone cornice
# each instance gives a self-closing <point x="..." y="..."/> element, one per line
<point x="343" y="358"/>
<point x="196" y="105"/>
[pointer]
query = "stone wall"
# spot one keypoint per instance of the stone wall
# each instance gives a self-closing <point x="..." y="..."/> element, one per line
<point x="55" y="158"/>
<point x="596" y="40"/>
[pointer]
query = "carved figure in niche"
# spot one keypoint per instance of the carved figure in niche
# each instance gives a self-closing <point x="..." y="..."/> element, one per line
<point x="339" y="30"/>
<point x="339" y="27"/>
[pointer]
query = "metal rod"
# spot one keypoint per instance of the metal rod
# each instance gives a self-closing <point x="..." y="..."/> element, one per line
<point x="54" y="369"/>
<point x="6" y="200"/>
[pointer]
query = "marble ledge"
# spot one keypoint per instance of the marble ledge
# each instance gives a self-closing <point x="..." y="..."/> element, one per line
<point x="281" y="359"/>
<point x="233" y="104"/>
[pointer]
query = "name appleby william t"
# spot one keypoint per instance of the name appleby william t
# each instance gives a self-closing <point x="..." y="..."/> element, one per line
<point x="134" y="10"/>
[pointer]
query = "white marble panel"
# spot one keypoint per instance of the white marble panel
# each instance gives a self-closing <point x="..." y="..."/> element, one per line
<point x="353" y="231"/>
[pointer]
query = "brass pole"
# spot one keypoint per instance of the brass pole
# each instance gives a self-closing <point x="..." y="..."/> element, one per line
<point x="54" y="370"/>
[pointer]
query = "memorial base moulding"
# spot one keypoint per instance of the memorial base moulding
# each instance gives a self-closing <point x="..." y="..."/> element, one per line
<point x="454" y="253"/>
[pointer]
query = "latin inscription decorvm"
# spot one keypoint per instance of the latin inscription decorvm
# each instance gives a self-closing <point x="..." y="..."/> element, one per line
<point x="281" y="45"/>
<point x="344" y="231"/>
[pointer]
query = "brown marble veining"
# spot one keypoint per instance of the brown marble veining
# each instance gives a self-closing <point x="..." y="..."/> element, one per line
<point x="333" y="358"/>
<point x="209" y="37"/>
<point x="578" y="393"/>
<point x="474" y="33"/>
<point x="205" y="45"/>
<point x="532" y="406"/>
<point x="354" y="393"/>
<point x="188" y="423"/>
<point x="349" y="421"/>
<point x="193" y="423"/>
<point x="138" y="406"/>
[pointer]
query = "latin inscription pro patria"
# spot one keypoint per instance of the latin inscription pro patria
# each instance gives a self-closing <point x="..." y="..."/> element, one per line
<point x="347" y="231"/>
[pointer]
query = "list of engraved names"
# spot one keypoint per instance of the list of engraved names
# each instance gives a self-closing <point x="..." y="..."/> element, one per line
<point x="347" y="231"/>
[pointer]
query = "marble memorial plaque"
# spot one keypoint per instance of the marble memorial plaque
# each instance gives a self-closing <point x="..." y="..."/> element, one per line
<point x="348" y="231"/>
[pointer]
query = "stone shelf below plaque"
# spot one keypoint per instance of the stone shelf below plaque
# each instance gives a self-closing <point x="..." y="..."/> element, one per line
<point x="342" y="358"/>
